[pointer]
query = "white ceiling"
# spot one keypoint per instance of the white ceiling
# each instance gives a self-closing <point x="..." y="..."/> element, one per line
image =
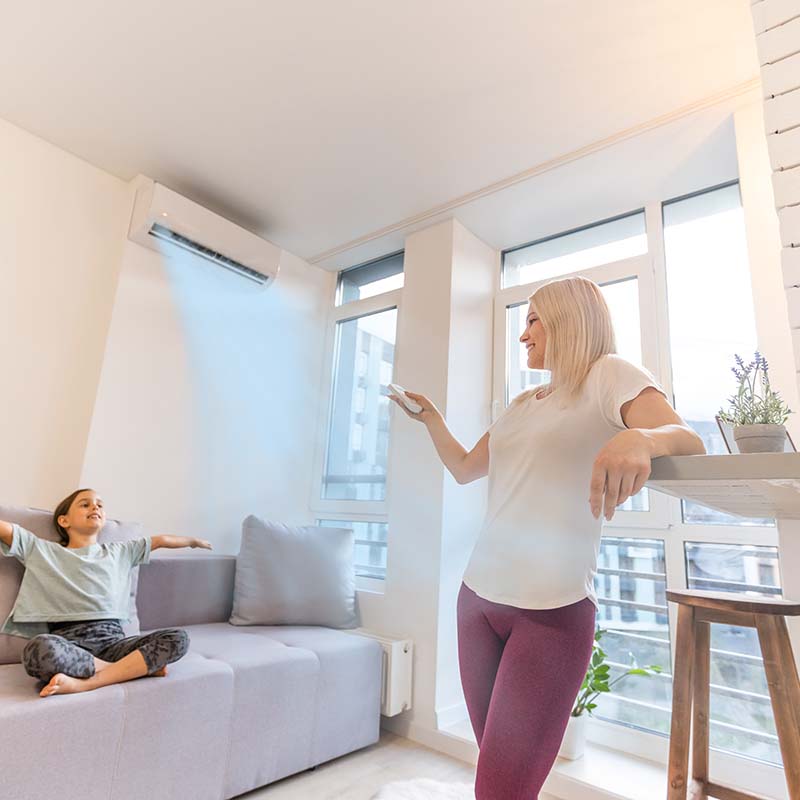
<point x="316" y="122"/>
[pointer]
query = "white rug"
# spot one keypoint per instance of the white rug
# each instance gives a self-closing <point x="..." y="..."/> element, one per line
<point x="426" y="789"/>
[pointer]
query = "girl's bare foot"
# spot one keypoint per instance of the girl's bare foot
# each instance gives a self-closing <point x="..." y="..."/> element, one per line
<point x="161" y="673"/>
<point x="64" y="684"/>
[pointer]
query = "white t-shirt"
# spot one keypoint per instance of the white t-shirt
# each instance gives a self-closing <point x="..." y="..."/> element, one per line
<point x="539" y="543"/>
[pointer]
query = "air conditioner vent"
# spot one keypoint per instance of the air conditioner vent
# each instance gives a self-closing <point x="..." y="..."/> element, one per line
<point x="166" y="235"/>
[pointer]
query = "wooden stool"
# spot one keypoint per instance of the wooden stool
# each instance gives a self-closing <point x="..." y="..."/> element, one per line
<point x="690" y="686"/>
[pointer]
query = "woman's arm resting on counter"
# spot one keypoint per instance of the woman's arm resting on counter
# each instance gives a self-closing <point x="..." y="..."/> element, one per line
<point x="622" y="466"/>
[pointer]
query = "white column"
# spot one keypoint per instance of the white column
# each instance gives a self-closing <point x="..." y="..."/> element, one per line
<point x="443" y="350"/>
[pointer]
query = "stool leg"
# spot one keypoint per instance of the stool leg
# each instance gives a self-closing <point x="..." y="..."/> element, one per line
<point x="701" y="692"/>
<point x="781" y="679"/>
<point x="681" y="704"/>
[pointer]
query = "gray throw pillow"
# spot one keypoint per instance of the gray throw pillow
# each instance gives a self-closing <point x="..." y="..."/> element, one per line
<point x="294" y="576"/>
<point x="40" y="523"/>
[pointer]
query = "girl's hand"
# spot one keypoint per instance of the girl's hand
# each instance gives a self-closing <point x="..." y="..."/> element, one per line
<point x="429" y="411"/>
<point x="202" y="543"/>
<point x="620" y="469"/>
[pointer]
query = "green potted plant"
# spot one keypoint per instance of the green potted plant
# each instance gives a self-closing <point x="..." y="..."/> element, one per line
<point x="756" y="412"/>
<point x="595" y="683"/>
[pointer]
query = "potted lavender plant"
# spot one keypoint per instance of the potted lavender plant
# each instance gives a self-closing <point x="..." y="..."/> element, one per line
<point x="756" y="412"/>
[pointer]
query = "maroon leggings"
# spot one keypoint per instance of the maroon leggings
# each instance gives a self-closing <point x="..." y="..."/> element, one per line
<point x="521" y="670"/>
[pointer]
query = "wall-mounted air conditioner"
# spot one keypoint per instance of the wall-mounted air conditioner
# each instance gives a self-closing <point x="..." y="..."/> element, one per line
<point x="163" y="220"/>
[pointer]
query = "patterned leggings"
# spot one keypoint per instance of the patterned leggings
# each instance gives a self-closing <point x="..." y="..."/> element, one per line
<point x="72" y="649"/>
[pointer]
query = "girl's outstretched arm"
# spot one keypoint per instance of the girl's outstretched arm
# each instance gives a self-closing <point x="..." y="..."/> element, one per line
<point x="177" y="541"/>
<point x="6" y="533"/>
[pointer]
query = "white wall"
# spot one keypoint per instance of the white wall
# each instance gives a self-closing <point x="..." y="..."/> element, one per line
<point x="188" y="399"/>
<point x="474" y="281"/>
<point x="208" y="403"/>
<point x="62" y="224"/>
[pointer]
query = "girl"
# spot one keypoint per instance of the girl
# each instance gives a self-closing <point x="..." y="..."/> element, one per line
<point x="73" y="596"/>
<point x="526" y="607"/>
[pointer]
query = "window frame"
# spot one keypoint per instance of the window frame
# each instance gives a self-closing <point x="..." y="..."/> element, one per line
<point x="580" y="229"/>
<point x="349" y="510"/>
<point x="664" y="519"/>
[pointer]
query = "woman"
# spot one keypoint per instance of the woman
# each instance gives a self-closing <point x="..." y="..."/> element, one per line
<point x="73" y="596"/>
<point x="556" y="458"/>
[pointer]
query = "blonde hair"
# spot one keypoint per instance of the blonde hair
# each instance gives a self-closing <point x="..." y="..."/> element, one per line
<point x="579" y="330"/>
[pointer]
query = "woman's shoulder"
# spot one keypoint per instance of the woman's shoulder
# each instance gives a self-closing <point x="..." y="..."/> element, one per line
<point x="524" y="395"/>
<point x="609" y="365"/>
<point x="608" y="360"/>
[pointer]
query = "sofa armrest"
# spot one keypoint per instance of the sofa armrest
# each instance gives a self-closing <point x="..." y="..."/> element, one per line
<point x="186" y="589"/>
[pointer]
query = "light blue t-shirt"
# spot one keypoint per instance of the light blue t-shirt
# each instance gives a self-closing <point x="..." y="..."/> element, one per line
<point x="59" y="584"/>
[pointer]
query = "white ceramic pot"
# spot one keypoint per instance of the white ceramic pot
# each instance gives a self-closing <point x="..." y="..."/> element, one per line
<point x="572" y="744"/>
<point x="760" y="438"/>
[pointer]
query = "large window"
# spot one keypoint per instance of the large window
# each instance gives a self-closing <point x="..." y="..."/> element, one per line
<point x="353" y="465"/>
<point x="631" y="589"/>
<point x="687" y="336"/>
<point x="601" y="243"/>
<point x="370" y="545"/>
<point x="711" y="316"/>
<point x="371" y="279"/>
<point x="358" y="432"/>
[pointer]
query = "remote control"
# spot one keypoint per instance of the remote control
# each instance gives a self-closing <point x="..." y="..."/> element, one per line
<point x="412" y="406"/>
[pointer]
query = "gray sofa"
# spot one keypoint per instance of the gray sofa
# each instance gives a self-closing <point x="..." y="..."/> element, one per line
<point x="246" y="706"/>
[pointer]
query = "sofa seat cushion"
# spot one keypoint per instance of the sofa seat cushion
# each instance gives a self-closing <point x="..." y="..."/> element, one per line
<point x="79" y="733"/>
<point x="274" y="703"/>
<point x="349" y="693"/>
<point x="176" y="726"/>
<point x="175" y="729"/>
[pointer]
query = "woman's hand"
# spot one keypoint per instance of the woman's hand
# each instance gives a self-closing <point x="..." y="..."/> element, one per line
<point x="429" y="411"/>
<point x="202" y="543"/>
<point x="620" y="470"/>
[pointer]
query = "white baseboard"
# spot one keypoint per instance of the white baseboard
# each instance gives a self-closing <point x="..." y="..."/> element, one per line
<point x="453" y="746"/>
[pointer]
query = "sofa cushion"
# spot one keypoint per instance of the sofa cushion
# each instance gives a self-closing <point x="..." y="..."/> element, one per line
<point x="177" y="588"/>
<point x="163" y="738"/>
<point x="40" y="523"/>
<point x="349" y="693"/>
<point x="39" y="739"/>
<point x="274" y="703"/>
<point x="176" y="733"/>
<point x="294" y="576"/>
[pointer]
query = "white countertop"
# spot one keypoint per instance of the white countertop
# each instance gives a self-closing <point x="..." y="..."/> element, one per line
<point x="746" y="484"/>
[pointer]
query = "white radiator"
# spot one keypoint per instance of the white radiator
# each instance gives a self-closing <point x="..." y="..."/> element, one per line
<point x="398" y="656"/>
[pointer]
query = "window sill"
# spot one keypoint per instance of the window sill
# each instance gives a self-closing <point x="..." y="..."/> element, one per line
<point x="600" y="774"/>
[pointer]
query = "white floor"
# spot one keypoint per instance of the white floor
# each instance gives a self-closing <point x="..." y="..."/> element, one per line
<point x="358" y="776"/>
